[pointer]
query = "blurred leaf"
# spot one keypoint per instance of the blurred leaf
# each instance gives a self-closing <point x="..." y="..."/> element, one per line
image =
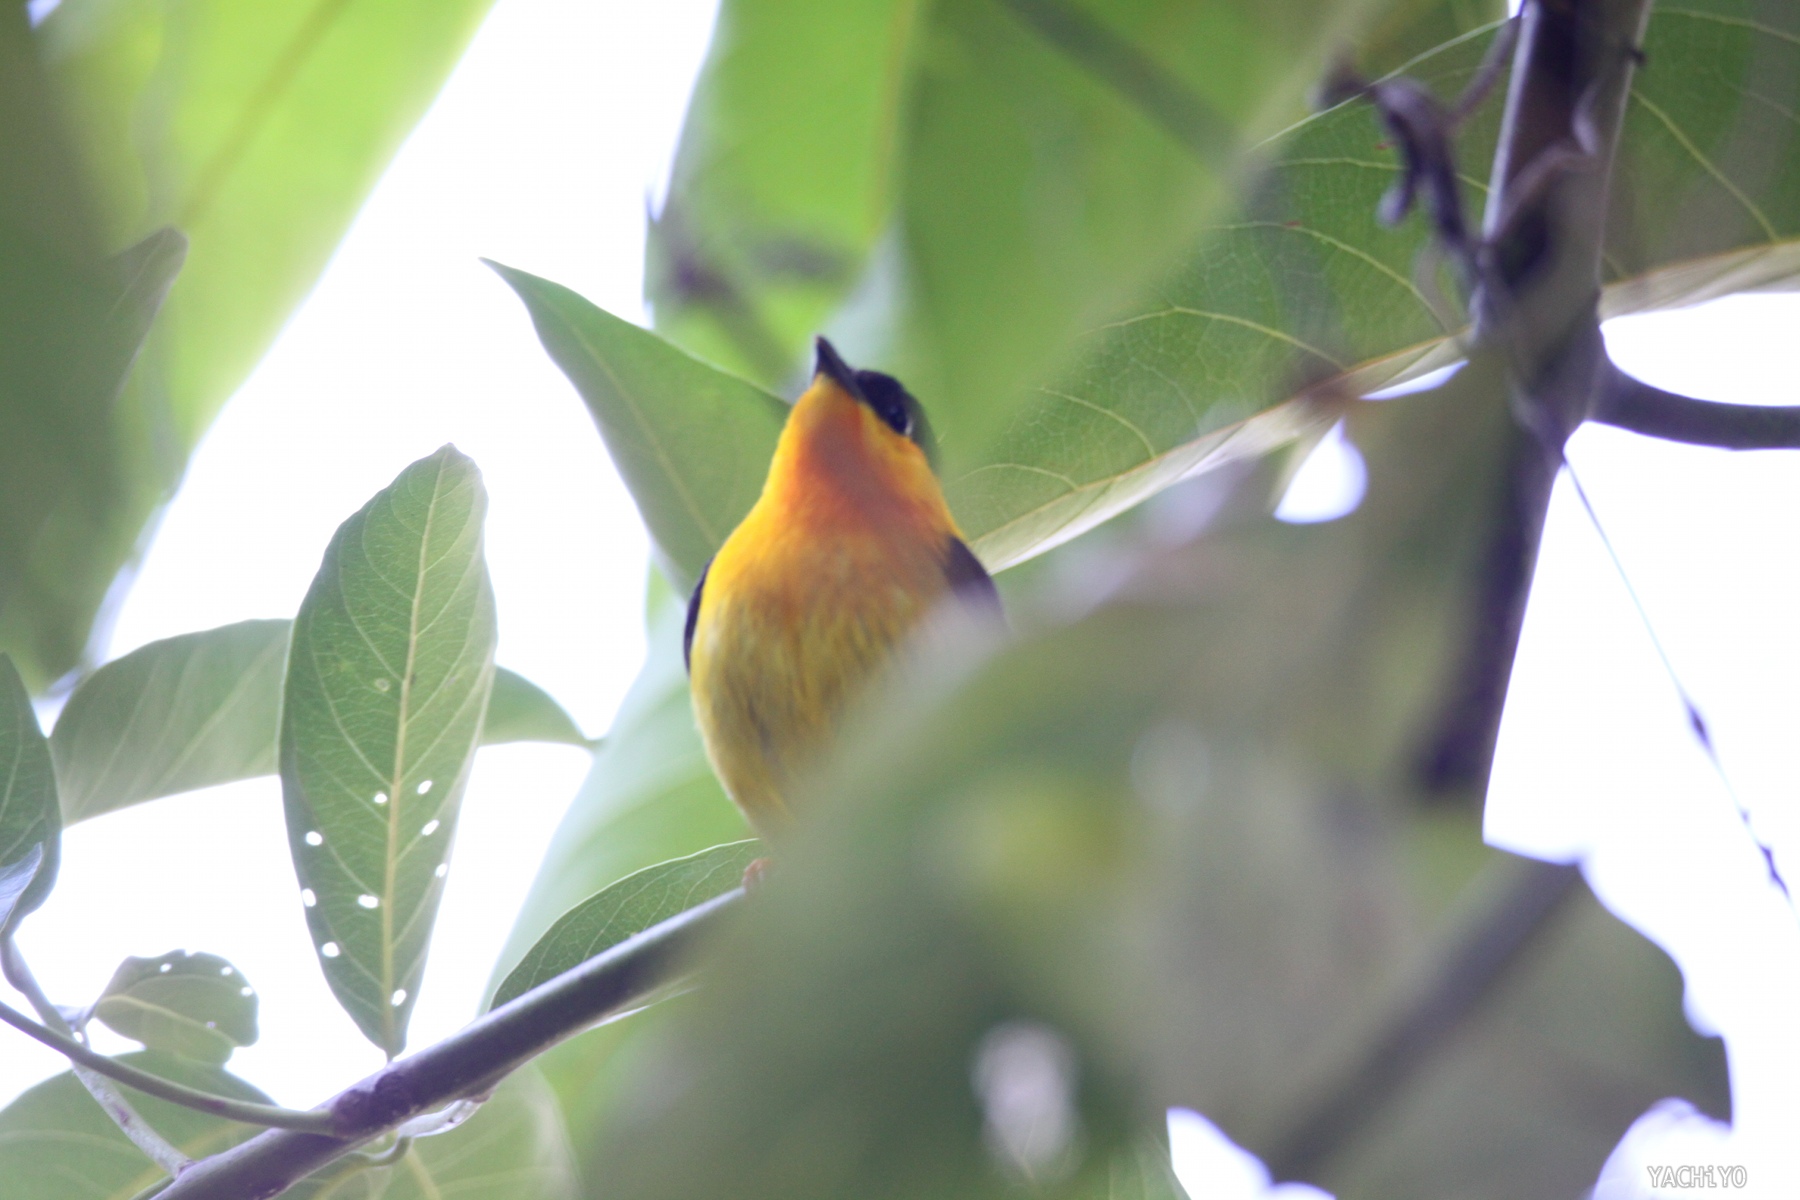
<point x="387" y="685"/>
<point x="201" y="709"/>
<point x="778" y="192"/>
<point x="193" y="1005"/>
<point x="691" y="442"/>
<point x="256" y="130"/>
<point x="71" y="322"/>
<point x="521" y="711"/>
<point x="1182" y="834"/>
<point x="183" y="713"/>
<point x="650" y="797"/>
<point x="57" y="1144"/>
<point x="30" y="825"/>
<point x="626" y="908"/>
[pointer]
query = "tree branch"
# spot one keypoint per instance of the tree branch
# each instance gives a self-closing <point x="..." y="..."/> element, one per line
<point x="1467" y="972"/>
<point x="468" y="1063"/>
<point x="1635" y="405"/>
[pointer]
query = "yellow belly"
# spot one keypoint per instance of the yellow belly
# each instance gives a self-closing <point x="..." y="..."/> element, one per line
<point x="784" y="643"/>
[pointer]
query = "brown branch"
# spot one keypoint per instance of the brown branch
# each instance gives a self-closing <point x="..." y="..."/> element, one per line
<point x="469" y="1063"/>
<point x="1635" y="405"/>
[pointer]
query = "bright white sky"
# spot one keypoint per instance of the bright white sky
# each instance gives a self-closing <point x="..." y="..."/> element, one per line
<point x="541" y="153"/>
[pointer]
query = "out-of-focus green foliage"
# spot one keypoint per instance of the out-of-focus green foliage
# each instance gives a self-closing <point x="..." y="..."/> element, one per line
<point x="387" y="685"/>
<point x="195" y="1005"/>
<point x="201" y="709"/>
<point x="1180" y="836"/>
<point x="30" y="822"/>
<point x="255" y="130"/>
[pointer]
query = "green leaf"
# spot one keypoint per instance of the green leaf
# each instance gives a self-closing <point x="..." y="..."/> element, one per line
<point x="257" y="130"/>
<point x="691" y="442"/>
<point x="387" y="686"/>
<point x="183" y="713"/>
<point x="626" y="908"/>
<point x="71" y="323"/>
<point x="776" y="199"/>
<point x="195" y="1005"/>
<point x="57" y="1144"/>
<point x="521" y="711"/>
<point x="30" y="825"/>
<point x="201" y="709"/>
<point x="651" y="795"/>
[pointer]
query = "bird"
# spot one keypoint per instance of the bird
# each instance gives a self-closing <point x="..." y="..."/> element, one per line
<point x="849" y="547"/>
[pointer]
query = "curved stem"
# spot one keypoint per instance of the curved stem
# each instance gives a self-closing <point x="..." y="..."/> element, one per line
<point x="163" y="1089"/>
<point x="1635" y="405"/>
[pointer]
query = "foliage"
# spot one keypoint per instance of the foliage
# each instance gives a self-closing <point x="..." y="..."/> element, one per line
<point x="1170" y="843"/>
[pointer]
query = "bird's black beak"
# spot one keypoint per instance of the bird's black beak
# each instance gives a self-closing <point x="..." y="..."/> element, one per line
<point x="835" y="368"/>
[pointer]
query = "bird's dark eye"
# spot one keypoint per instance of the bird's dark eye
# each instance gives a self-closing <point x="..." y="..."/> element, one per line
<point x="889" y="400"/>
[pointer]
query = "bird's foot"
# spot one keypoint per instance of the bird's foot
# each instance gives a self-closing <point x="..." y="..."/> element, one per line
<point x="756" y="872"/>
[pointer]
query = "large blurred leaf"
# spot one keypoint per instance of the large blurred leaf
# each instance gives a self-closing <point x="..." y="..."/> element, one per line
<point x="194" y="1005"/>
<point x="201" y="709"/>
<point x="782" y="183"/>
<point x="71" y="322"/>
<point x="387" y="684"/>
<point x="30" y="824"/>
<point x="1183" y="835"/>
<point x="256" y="130"/>
<point x="691" y="442"/>
<point x="57" y="1144"/>
<point x="625" y="909"/>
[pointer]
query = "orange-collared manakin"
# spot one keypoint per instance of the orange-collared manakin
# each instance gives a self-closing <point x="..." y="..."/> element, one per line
<point x="847" y="550"/>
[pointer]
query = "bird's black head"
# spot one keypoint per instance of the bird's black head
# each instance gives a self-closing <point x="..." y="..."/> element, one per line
<point x="886" y="396"/>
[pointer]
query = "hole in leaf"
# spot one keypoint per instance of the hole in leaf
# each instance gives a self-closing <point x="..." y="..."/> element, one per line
<point x="443" y="869"/>
<point x="424" y="787"/>
<point x="381" y="797"/>
<point x="399" y="997"/>
<point x="368" y="901"/>
<point x="431" y="827"/>
<point x="314" y="838"/>
<point x="246" y="991"/>
<point x="330" y="950"/>
<point x="307" y="897"/>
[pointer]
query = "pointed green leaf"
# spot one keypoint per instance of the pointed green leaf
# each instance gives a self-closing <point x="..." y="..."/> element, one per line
<point x="256" y="130"/>
<point x="691" y="442"/>
<point x="626" y="908"/>
<point x="387" y="686"/>
<point x="201" y="709"/>
<point x="183" y="713"/>
<point x="30" y="825"/>
<point x="57" y="1144"/>
<point x="521" y="711"/>
<point x="195" y="1005"/>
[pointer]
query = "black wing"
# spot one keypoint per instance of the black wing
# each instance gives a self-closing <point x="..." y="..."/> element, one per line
<point x="693" y="615"/>
<point x="969" y="579"/>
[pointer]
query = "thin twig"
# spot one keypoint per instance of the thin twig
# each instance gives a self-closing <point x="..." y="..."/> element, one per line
<point x="1632" y="404"/>
<point x="467" y="1063"/>
<point x="1154" y="90"/>
<point x="155" y="1147"/>
<point x="1696" y="722"/>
